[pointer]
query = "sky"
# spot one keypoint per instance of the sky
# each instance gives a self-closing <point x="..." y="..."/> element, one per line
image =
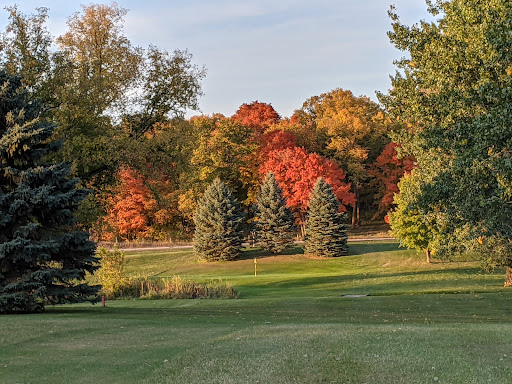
<point x="280" y="52"/>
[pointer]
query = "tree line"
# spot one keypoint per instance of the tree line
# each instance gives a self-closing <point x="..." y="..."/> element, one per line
<point x="119" y="112"/>
<point x="98" y="114"/>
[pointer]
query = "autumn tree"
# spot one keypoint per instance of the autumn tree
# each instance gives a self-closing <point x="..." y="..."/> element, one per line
<point x="275" y="229"/>
<point x="297" y="171"/>
<point x="257" y="116"/>
<point x="275" y="140"/>
<point x="452" y="87"/>
<point x="223" y="151"/>
<point x="132" y="208"/>
<point x="105" y="93"/>
<point x="44" y="257"/>
<point x="218" y="221"/>
<point x="386" y="172"/>
<point x="353" y="130"/>
<point x="326" y="228"/>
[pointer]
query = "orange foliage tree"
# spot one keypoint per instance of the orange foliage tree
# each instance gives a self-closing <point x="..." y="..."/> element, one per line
<point x="132" y="208"/>
<point x="297" y="170"/>
<point x="276" y="140"/>
<point x="386" y="172"/>
<point x="257" y="116"/>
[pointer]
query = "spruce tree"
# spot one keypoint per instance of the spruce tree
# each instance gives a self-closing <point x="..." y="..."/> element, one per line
<point x="218" y="220"/>
<point x="326" y="231"/>
<point x="43" y="256"/>
<point x="274" y="220"/>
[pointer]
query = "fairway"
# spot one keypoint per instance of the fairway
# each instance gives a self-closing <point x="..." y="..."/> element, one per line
<point x="443" y="322"/>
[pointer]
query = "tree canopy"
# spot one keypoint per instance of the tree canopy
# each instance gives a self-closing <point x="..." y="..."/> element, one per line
<point x="452" y="90"/>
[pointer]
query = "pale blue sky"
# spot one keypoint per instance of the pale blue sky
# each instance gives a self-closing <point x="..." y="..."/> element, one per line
<point x="276" y="51"/>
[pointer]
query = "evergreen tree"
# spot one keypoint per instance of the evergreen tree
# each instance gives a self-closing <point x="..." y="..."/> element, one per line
<point x="218" y="222"/>
<point x="326" y="231"/>
<point x="43" y="257"/>
<point x="274" y="220"/>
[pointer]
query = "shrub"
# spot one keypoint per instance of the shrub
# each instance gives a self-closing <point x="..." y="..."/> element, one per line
<point x="111" y="273"/>
<point x="175" y="288"/>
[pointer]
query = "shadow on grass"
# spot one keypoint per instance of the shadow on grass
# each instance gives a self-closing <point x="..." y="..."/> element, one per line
<point x="251" y="253"/>
<point x="354" y="249"/>
<point x="406" y="281"/>
<point x="372" y="309"/>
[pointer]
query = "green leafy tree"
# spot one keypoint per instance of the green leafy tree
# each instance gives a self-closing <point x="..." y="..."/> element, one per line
<point x="407" y="221"/>
<point x="105" y="94"/>
<point x="274" y="220"/>
<point x="452" y="89"/>
<point x="25" y="49"/>
<point x="218" y="222"/>
<point x="44" y="258"/>
<point x="223" y="150"/>
<point x="326" y="228"/>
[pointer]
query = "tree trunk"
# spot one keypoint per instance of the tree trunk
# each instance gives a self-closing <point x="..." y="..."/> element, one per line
<point x="428" y="256"/>
<point x="354" y="215"/>
<point x="508" y="277"/>
<point x="303" y="230"/>
<point x="356" y="220"/>
<point x="358" y="211"/>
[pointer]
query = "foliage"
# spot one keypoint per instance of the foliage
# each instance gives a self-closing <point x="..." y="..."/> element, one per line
<point x="297" y="171"/>
<point x="175" y="288"/>
<point x="132" y="208"/>
<point x="218" y="221"/>
<point x="111" y="274"/>
<point x="386" y="172"/>
<point x="408" y="222"/>
<point x="223" y="151"/>
<point x="353" y="130"/>
<point x="274" y="220"/>
<point x="452" y="90"/>
<point x="25" y="48"/>
<point x="104" y="92"/>
<point x="326" y="229"/>
<point x="257" y="116"/>
<point x="44" y="258"/>
<point x="275" y="140"/>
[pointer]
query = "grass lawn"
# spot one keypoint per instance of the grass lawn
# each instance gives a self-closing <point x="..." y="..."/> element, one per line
<point x="443" y="322"/>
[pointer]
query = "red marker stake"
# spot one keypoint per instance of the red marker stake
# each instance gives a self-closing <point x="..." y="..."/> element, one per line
<point x="103" y="301"/>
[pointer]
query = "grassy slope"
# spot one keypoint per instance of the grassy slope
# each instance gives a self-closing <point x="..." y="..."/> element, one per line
<point x="291" y="325"/>
<point x="376" y="268"/>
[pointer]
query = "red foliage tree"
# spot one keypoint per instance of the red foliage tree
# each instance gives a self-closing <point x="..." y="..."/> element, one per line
<point x="386" y="172"/>
<point x="257" y="116"/>
<point x="275" y="141"/>
<point x="133" y="206"/>
<point x="297" y="170"/>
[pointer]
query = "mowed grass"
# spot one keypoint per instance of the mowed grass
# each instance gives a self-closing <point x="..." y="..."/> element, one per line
<point x="443" y="322"/>
<point x="372" y="268"/>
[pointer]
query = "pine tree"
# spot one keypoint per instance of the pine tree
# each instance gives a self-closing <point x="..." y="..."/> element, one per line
<point x="218" y="221"/>
<point x="274" y="220"/>
<point x="43" y="256"/>
<point x="326" y="231"/>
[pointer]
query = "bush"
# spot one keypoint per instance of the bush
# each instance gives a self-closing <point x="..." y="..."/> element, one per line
<point x="111" y="273"/>
<point x="175" y="288"/>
